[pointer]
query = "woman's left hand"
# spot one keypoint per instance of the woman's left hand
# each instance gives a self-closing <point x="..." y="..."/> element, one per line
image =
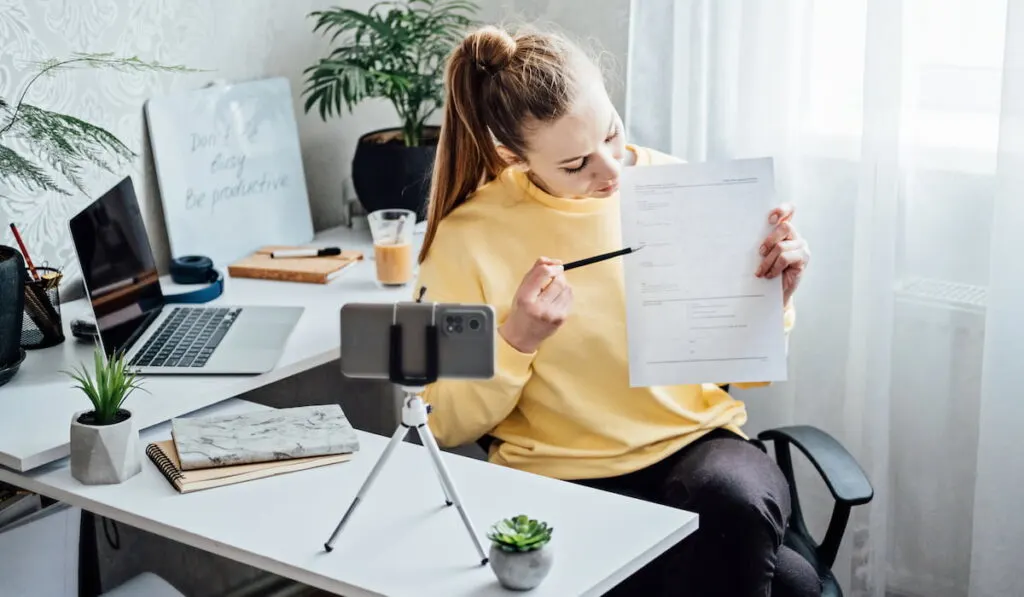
<point x="784" y="252"/>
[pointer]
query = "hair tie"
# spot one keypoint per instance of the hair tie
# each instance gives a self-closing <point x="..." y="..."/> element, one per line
<point x="480" y="66"/>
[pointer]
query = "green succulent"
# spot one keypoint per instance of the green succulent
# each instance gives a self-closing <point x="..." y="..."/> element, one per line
<point x="520" y="533"/>
<point x="109" y="388"/>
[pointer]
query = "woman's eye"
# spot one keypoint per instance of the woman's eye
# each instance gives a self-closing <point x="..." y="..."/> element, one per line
<point x="612" y="136"/>
<point x="577" y="169"/>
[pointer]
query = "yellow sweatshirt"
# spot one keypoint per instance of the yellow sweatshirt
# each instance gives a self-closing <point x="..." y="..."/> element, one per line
<point x="566" y="410"/>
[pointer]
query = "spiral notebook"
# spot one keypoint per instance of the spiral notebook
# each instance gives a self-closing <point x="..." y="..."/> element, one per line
<point x="165" y="457"/>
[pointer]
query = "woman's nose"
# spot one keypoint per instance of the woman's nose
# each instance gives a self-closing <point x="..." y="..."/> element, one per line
<point x="607" y="167"/>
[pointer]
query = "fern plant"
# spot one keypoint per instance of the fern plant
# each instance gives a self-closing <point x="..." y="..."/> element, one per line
<point x="59" y="142"/>
<point x="395" y="51"/>
<point x="520" y="533"/>
<point x="107" y="387"/>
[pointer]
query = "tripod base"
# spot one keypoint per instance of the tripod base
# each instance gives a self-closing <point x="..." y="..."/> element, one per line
<point x="414" y="417"/>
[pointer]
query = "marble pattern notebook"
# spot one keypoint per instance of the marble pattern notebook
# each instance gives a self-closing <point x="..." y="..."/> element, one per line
<point x="263" y="436"/>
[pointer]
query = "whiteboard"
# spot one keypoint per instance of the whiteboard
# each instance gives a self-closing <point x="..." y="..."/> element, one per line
<point x="229" y="169"/>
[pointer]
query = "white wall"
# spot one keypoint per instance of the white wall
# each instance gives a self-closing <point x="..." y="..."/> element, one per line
<point x="233" y="40"/>
<point x="600" y="26"/>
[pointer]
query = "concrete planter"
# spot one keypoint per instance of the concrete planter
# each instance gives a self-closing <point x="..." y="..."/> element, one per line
<point x="521" y="570"/>
<point x="12" y="300"/>
<point x="104" y="454"/>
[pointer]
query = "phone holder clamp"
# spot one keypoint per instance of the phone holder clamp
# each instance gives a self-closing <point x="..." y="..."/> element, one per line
<point x="396" y="367"/>
<point x="414" y="416"/>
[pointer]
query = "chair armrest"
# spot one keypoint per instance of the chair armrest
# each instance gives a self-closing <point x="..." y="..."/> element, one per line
<point x="841" y="472"/>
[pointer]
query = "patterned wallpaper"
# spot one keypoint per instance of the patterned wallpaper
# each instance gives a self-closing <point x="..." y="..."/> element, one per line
<point x="232" y="40"/>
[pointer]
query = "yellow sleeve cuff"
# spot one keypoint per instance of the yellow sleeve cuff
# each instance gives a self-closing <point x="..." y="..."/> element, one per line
<point x="510" y="362"/>
<point x="788" y="317"/>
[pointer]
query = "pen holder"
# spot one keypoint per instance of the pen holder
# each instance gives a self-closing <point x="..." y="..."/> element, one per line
<point x="41" y="325"/>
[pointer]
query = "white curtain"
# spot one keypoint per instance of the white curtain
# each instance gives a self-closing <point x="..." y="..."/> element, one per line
<point x="897" y="128"/>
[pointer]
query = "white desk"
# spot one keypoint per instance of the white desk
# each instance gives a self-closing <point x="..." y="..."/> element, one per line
<point x="39" y="402"/>
<point x="401" y="540"/>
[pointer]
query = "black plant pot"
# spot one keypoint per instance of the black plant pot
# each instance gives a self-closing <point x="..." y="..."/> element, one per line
<point x="12" y="303"/>
<point x="388" y="175"/>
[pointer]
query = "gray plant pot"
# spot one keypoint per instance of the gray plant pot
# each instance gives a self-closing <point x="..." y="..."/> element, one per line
<point x="12" y="297"/>
<point x="521" y="570"/>
<point x="104" y="454"/>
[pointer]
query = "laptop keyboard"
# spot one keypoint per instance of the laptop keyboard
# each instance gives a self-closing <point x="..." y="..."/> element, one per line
<point x="187" y="337"/>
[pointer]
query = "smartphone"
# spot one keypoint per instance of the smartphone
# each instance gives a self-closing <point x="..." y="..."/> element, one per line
<point x="465" y="339"/>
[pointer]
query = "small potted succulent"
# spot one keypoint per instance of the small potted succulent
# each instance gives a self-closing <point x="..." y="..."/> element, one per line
<point x="519" y="555"/>
<point x="104" y="440"/>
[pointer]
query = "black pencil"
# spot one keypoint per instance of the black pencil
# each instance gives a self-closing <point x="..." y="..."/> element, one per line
<point x="603" y="257"/>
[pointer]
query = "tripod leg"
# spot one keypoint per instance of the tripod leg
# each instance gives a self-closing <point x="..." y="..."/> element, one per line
<point x="447" y="496"/>
<point x="446" y="481"/>
<point x="396" y="439"/>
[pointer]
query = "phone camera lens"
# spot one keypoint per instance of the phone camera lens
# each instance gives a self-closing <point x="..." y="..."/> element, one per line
<point x="474" y="324"/>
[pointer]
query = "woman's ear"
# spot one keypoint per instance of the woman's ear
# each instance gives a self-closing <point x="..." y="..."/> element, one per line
<point x="510" y="158"/>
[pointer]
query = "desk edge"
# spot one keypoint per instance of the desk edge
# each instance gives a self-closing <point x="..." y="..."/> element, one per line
<point x="646" y="557"/>
<point x="175" y="534"/>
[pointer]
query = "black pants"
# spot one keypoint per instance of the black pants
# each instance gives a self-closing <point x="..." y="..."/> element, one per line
<point x="744" y="506"/>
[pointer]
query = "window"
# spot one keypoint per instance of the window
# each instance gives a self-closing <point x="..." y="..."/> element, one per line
<point x="945" y="70"/>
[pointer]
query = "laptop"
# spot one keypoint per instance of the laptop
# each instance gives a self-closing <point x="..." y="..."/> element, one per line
<point x="133" y="316"/>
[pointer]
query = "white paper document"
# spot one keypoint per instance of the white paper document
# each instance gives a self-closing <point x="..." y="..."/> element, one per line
<point x="695" y="312"/>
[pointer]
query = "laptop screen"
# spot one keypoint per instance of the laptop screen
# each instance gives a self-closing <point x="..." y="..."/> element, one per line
<point x="118" y="267"/>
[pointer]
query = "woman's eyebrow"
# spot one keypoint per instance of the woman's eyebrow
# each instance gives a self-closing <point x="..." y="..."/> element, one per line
<point x="611" y="125"/>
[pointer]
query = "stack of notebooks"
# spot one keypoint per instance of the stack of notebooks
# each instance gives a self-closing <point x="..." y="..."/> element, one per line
<point x="212" y="451"/>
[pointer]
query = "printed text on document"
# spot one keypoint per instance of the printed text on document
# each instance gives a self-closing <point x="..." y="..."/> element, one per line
<point x="695" y="311"/>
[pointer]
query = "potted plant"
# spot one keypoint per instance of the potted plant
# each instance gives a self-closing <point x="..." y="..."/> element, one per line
<point x="519" y="555"/>
<point x="62" y="142"/>
<point x="395" y="51"/>
<point x="104" y="440"/>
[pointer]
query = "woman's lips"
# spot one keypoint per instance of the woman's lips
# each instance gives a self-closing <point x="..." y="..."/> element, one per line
<point x="611" y="187"/>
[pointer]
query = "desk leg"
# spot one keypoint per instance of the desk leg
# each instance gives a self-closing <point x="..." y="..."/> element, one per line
<point x="88" y="557"/>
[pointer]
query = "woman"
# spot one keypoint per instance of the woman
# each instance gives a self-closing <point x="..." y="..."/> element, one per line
<point x="527" y="165"/>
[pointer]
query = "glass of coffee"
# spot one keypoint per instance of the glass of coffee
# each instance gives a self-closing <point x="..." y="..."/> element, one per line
<point x="392" y="231"/>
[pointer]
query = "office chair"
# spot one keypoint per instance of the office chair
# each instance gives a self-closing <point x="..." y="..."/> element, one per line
<point x="846" y="481"/>
<point x="842" y="474"/>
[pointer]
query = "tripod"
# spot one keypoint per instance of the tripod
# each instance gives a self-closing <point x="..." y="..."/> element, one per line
<point x="414" y="416"/>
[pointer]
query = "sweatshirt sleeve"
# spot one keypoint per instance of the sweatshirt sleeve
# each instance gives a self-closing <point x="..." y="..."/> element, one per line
<point x="462" y="411"/>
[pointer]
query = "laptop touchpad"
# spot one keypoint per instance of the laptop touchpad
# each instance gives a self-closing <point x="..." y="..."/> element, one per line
<point x="259" y="337"/>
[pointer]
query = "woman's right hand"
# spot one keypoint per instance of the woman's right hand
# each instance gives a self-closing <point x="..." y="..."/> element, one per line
<point x="540" y="306"/>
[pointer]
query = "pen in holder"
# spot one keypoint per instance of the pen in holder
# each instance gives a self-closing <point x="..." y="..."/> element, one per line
<point x="41" y="325"/>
